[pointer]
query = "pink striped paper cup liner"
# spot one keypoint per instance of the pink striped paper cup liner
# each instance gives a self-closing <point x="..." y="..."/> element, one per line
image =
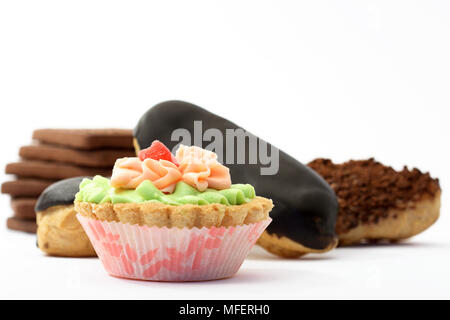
<point x="171" y="254"/>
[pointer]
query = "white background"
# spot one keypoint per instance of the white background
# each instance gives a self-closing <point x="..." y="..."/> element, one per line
<point x="337" y="79"/>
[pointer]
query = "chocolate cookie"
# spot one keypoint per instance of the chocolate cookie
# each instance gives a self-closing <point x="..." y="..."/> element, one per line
<point x="24" y="208"/>
<point x="25" y="187"/>
<point x="304" y="215"/>
<point x="59" y="233"/>
<point x="103" y="158"/>
<point x="52" y="170"/>
<point x="86" y="139"/>
<point x="21" y="225"/>
<point x="378" y="203"/>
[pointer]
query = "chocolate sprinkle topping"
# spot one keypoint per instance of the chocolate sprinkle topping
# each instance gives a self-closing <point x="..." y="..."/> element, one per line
<point x="367" y="190"/>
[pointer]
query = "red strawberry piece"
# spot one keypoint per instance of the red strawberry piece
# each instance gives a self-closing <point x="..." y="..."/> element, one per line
<point x="157" y="151"/>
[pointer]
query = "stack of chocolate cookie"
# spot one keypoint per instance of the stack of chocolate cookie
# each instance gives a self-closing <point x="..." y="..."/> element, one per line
<point x="59" y="154"/>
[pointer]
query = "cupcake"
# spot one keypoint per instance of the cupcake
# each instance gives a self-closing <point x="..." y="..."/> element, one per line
<point x="171" y="218"/>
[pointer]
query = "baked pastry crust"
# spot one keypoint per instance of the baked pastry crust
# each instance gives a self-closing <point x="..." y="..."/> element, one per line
<point x="162" y="215"/>
<point x="286" y="248"/>
<point x="60" y="234"/>
<point x="398" y="225"/>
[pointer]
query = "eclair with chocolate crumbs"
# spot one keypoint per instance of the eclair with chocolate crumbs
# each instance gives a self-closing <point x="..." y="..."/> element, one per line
<point x="377" y="202"/>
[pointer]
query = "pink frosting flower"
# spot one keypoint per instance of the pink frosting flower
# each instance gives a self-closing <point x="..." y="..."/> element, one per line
<point x="201" y="169"/>
<point x="129" y="173"/>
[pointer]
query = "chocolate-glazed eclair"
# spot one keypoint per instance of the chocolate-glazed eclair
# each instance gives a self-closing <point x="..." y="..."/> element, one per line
<point x="304" y="216"/>
<point x="59" y="233"/>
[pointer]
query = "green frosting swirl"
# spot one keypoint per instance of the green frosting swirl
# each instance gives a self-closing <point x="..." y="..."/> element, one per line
<point x="98" y="190"/>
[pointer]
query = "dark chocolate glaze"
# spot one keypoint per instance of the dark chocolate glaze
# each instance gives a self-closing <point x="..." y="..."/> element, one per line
<point x="305" y="206"/>
<point x="60" y="193"/>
